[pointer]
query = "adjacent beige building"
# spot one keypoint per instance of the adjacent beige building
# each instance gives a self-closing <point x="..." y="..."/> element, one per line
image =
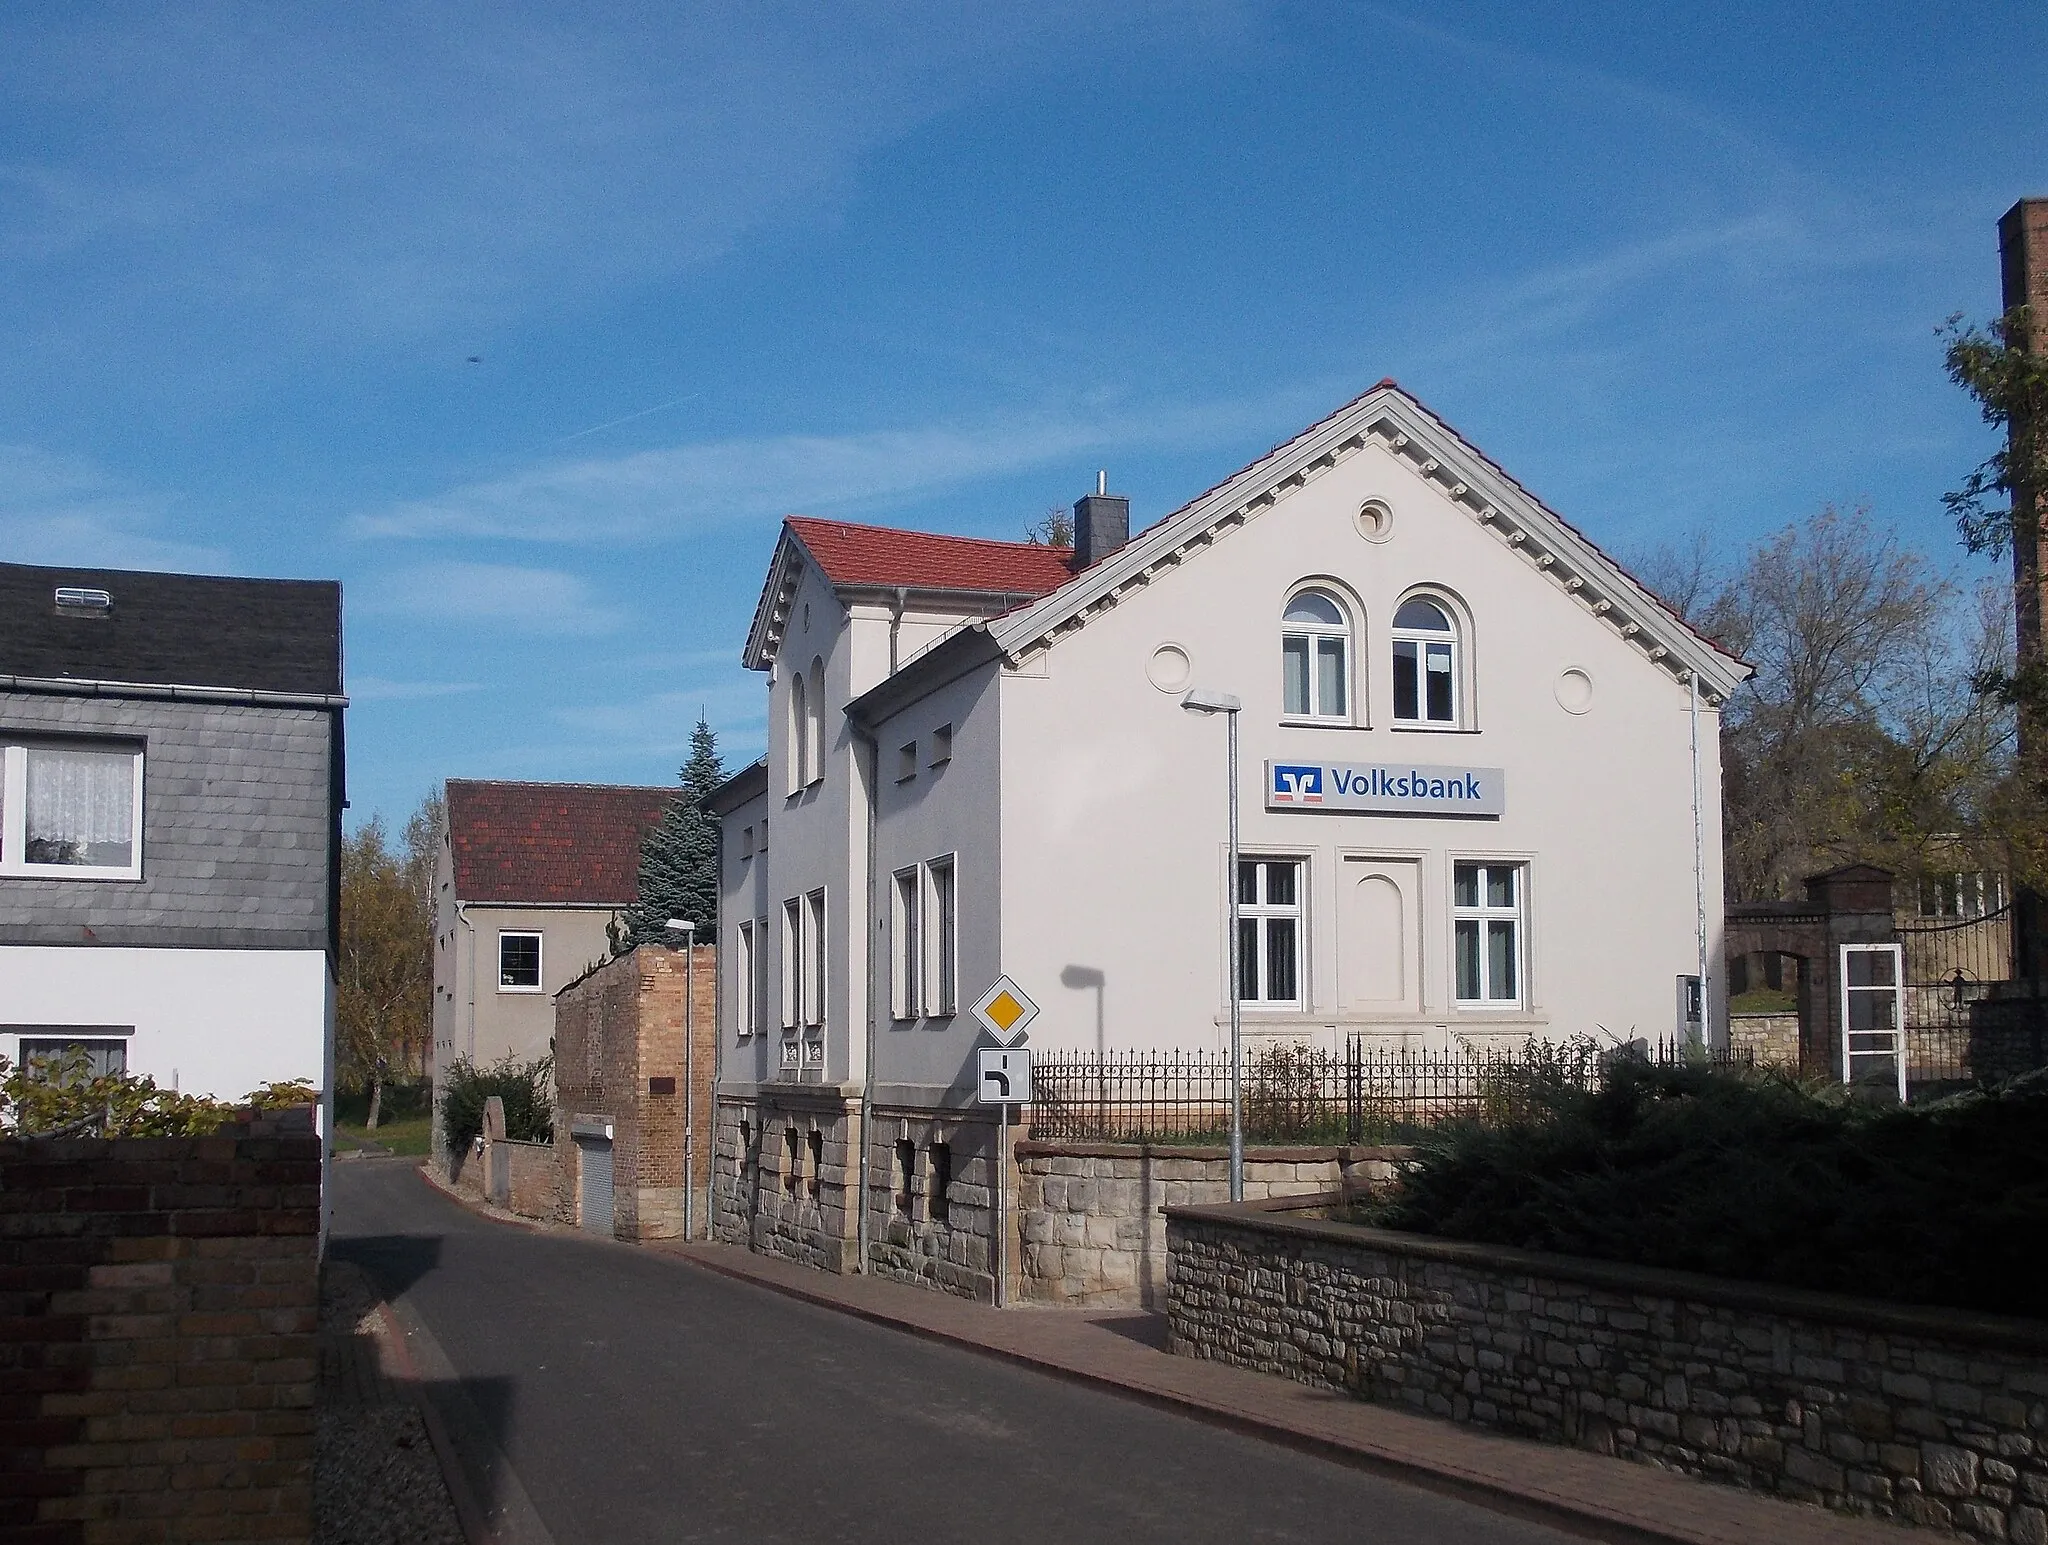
<point x="529" y="877"/>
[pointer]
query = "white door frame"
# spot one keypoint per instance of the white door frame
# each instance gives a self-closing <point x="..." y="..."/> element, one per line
<point x="1874" y="1043"/>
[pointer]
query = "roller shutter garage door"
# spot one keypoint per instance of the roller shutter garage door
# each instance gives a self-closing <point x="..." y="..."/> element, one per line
<point x="596" y="1166"/>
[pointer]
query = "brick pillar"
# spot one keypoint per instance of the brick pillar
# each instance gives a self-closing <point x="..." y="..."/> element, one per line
<point x="2023" y="270"/>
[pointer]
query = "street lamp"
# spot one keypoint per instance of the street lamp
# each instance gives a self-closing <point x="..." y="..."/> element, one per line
<point x="1202" y="702"/>
<point x="688" y="930"/>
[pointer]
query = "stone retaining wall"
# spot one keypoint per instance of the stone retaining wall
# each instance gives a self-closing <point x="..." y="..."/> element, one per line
<point x="1936" y="1416"/>
<point x="1090" y="1219"/>
<point x="158" y="1299"/>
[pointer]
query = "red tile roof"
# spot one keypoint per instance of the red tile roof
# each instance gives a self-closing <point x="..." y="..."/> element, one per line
<point x="878" y="555"/>
<point x="551" y="844"/>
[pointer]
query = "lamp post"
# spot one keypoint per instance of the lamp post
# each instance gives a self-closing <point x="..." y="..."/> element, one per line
<point x="688" y="930"/>
<point x="1202" y="702"/>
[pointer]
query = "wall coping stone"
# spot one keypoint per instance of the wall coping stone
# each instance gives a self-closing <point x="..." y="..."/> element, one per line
<point x="1279" y="1215"/>
<point x="1043" y="1148"/>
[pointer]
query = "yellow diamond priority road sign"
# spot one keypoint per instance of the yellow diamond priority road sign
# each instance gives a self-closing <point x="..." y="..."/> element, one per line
<point x="1005" y="1011"/>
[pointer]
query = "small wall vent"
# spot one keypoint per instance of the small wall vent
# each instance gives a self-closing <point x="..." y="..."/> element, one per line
<point x="74" y="598"/>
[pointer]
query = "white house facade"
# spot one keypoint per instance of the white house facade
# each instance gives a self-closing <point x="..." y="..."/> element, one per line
<point x="171" y="787"/>
<point x="1479" y="794"/>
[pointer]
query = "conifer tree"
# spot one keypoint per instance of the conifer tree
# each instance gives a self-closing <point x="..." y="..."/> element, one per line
<point x="679" y="858"/>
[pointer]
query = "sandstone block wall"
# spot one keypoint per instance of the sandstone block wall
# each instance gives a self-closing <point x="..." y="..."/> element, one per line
<point x="158" y="1300"/>
<point x="918" y="1236"/>
<point x="1773" y="1039"/>
<point x="619" y="1055"/>
<point x="787" y="1175"/>
<point x="1934" y="1416"/>
<point x="1090" y="1214"/>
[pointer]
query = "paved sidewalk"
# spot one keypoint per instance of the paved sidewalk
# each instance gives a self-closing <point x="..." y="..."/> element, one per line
<point x="1124" y="1351"/>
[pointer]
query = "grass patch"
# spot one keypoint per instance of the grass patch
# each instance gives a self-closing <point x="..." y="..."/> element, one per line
<point x="1763" y="1000"/>
<point x="407" y="1134"/>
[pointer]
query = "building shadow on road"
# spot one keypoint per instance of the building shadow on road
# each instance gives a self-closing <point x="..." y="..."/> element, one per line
<point x="394" y="1261"/>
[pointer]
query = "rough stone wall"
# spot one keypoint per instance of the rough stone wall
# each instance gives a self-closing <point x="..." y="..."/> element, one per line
<point x="1937" y="1417"/>
<point x="909" y="1240"/>
<point x="236" y="824"/>
<point x="1773" y="1039"/>
<point x="1090" y="1215"/>
<point x="619" y="1055"/>
<point x="786" y="1175"/>
<point x="158" y="1299"/>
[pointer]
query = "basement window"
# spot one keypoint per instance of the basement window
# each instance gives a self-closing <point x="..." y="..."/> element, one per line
<point x="817" y="1163"/>
<point x="939" y="1205"/>
<point x="793" y="1161"/>
<point x="906" y="1176"/>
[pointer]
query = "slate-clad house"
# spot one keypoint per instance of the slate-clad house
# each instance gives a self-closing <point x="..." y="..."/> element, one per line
<point x="171" y="788"/>
<point x="528" y="878"/>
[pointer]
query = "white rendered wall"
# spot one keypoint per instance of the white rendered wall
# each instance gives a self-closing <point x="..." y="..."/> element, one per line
<point x="209" y="1022"/>
<point x="1113" y="796"/>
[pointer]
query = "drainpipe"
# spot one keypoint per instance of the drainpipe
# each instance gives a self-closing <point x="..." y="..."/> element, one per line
<point x="867" y="1087"/>
<point x="1699" y="860"/>
<point x="462" y="917"/>
<point x="896" y="624"/>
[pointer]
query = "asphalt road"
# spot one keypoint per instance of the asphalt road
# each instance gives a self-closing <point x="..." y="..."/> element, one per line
<point x="638" y="1398"/>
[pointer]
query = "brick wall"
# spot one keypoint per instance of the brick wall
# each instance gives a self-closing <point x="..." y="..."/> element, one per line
<point x="158" y="1300"/>
<point x="1936" y="1416"/>
<point x="619" y="1056"/>
<point x="212" y="773"/>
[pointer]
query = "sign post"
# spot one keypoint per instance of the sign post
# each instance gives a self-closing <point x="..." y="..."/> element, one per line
<point x="1004" y="1078"/>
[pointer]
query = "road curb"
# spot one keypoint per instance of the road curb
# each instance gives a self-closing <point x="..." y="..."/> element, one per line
<point x="1581" y="1517"/>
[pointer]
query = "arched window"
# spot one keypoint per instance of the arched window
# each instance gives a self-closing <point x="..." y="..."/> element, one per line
<point x="1315" y="657"/>
<point x="1425" y="663"/>
<point x="814" y="742"/>
<point x="799" y="731"/>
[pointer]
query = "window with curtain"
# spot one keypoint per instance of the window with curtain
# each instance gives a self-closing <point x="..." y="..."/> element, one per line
<point x="1315" y="657"/>
<point x="73" y="809"/>
<point x="1486" y="907"/>
<point x="1425" y="664"/>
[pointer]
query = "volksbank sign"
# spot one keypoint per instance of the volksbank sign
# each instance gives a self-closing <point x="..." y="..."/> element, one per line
<point x="1386" y="788"/>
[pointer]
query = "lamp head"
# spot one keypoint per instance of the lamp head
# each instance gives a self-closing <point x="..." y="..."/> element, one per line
<point x="1198" y="701"/>
<point x="681" y="925"/>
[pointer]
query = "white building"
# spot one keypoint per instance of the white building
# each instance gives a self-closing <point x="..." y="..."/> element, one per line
<point x="979" y="762"/>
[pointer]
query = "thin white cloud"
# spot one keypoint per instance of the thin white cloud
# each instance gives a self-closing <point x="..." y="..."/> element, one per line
<point x="382" y="689"/>
<point x="714" y="481"/>
<point x="59" y="510"/>
<point x="499" y="596"/>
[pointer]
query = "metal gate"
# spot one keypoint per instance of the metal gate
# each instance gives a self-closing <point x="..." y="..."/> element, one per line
<point x="1949" y="966"/>
<point x="595" y="1154"/>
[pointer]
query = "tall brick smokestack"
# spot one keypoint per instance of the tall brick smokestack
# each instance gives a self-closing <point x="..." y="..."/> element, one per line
<point x="2023" y="270"/>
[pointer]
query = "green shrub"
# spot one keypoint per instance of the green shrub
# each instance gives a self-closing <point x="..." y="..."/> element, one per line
<point x="527" y="1088"/>
<point x="1752" y="1175"/>
<point x="62" y="1094"/>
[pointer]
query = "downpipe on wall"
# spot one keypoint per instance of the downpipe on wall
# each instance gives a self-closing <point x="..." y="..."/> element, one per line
<point x="872" y="741"/>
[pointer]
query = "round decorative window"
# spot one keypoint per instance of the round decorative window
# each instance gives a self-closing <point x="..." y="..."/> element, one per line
<point x="1574" y="691"/>
<point x="1374" y="520"/>
<point x="1169" y="668"/>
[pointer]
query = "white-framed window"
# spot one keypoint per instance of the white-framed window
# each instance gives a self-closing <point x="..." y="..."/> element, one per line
<point x="906" y="962"/>
<point x="814" y="960"/>
<point x="743" y="978"/>
<point x="1426" y="664"/>
<point x="942" y="930"/>
<point x="797" y="736"/>
<point x="519" y="965"/>
<point x="1489" y="939"/>
<point x="71" y="810"/>
<point x="1962" y="896"/>
<point x="792" y="962"/>
<point x="1269" y="932"/>
<point x="1315" y="657"/>
<point x="814" y="726"/>
<point x="759" y="989"/>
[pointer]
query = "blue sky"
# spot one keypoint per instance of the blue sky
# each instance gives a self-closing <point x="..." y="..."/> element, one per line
<point x="935" y="265"/>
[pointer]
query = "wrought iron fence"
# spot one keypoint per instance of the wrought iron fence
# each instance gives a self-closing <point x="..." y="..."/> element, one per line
<point x="1296" y="1094"/>
<point x="1950" y="967"/>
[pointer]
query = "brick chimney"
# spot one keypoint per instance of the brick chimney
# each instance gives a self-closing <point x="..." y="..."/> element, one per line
<point x="1102" y="524"/>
